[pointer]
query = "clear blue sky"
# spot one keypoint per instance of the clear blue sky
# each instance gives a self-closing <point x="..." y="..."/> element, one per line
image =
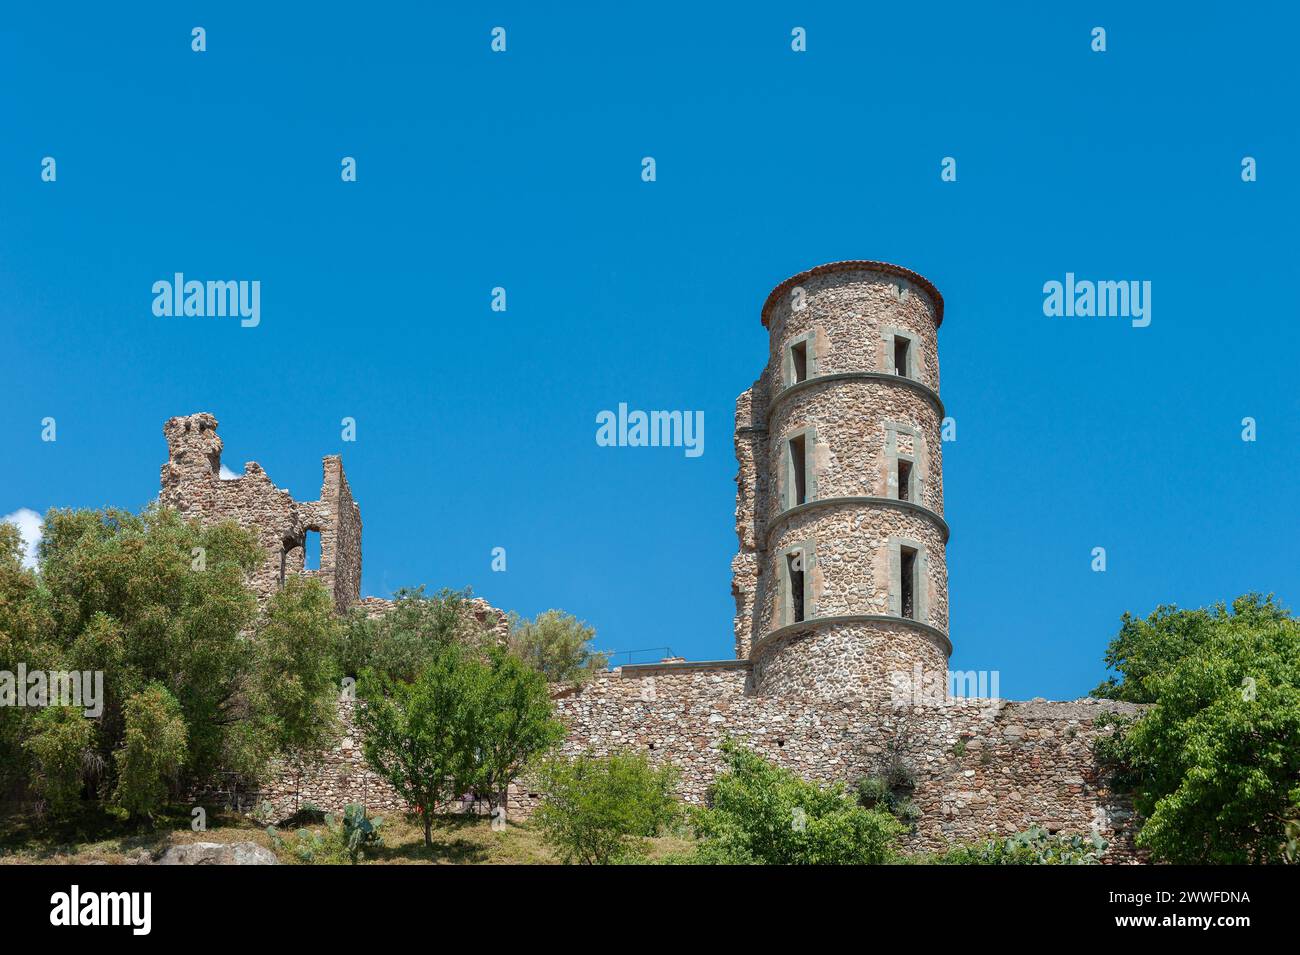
<point x="476" y="429"/>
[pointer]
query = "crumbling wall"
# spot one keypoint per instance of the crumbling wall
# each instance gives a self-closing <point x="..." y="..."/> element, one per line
<point x="192" y="484"/>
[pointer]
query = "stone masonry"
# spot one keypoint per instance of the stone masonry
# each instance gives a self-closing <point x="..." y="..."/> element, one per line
<point x="840" y="582"/>
<point x="191" y="483"/>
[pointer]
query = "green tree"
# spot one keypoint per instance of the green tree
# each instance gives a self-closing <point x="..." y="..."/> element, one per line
<point x="417" y="735"/>
<point x="512" y="722"/>
<point x="598" y="809"/>
<point x="61" y="742"/>
<point x="156" y="601"/>
<point x="764" y="814"/>
<point x="297" y="676"/>
<point x="557" y="645"/>
<point x="1215" y="762"/>
<point x="401" y="643"/>
<point x="1147" y="648"/>
<point x="152" y="752"/>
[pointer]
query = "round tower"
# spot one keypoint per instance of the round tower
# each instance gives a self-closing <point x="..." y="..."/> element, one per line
<point x="842" y="583"/>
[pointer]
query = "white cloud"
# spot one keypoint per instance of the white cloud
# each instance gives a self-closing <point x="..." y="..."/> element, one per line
<point x="28" y="523"/>
<point x="228" y="475"/>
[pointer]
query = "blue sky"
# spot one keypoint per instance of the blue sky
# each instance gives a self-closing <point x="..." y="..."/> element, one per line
<point x="475" y="429"/>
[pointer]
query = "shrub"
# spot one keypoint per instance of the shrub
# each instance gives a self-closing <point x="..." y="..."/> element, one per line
<point x="763" y="814"/>
<point x="1034" y="846"/>
<point x="597" y="809"/>
<point x="359" y="832"/>
<point x="337" y="843"/>
<point x="891" y="791"/>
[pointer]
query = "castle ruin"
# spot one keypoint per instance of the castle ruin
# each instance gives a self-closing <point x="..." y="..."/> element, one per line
<point x="840" y="582"/>
<point x="192" y="484"/>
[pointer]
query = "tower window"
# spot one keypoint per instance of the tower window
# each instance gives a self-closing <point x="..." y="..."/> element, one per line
<point x="907" y="582"/>
<point x="794" y="574"/>
<point x="799" y="362"/>
<point x="902" y="356"/>
<point x="798" y="475"/>
<point x="904" y="480"/>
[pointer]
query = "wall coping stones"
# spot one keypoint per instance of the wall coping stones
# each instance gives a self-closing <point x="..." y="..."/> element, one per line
<point x="636" y="669"/>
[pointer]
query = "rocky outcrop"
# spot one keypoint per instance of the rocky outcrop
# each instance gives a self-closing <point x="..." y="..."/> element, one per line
<point x="218" y="853"/>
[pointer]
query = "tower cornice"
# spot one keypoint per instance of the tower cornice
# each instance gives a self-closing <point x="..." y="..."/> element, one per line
<point x="858" y="265"/>
<point x="922" y="389"/>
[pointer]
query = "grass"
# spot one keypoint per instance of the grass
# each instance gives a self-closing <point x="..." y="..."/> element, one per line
<point x="457" y="840"/>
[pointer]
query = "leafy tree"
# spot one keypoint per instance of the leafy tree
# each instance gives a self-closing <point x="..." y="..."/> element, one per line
<point x="61" y="743"/>
<point x="152" y="752"/>
<point x="20" y="622"/>
<point x="1215" y="761"/>
<point x="417" y="735"/>
<point x="557" y="645"/>
<point x="597" y="809"/>
<point x="401" y="643"/>
<point x="469" y="723"/>
<point x="297" y="676"/>
<point x="155" y="602"/>
<point x="764" y="814"/>
<point x="512" y="722"/>
<point x="1145" y="649"/>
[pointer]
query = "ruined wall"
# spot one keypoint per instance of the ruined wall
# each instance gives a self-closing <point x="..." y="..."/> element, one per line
<point x="192" y="484"/>
<point x="983" y="767"/>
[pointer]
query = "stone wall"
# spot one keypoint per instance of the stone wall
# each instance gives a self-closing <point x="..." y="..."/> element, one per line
<point x="983" y="767"/>
<point x="192" y="484"/>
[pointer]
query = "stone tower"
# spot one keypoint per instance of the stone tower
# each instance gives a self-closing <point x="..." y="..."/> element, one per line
<point x="841" y="584"/>
<point x="192" y="484"/>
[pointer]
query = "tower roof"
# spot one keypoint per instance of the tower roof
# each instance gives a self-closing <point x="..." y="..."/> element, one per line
<point x="859" y="265"/>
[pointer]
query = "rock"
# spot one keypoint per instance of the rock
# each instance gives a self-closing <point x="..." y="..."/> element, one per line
<point x="217" y="853"/>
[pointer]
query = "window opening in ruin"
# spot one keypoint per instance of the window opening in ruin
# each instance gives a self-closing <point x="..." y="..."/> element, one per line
<point x="311" y="551"/>
<point x="904" y="480"/>
<point x="799" y="362"/>
<point x="901" y="357"/>
<point x="798" y="482"/>
<point x="794" y="569"/>
<point x="907" y="581"/>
